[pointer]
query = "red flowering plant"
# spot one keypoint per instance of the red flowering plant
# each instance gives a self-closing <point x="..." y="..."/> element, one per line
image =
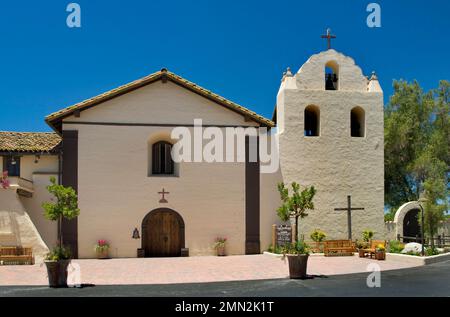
<point x="220" y="242"/>
<point x="4" y="182"/>
<point x="101" y="246"/>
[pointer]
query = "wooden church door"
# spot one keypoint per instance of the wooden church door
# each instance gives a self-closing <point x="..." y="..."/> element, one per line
<point x="163" y="233"/>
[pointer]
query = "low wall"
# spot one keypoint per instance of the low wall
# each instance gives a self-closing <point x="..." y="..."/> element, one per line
<point x="391" y="229"/>
<point x="16" y="226"/>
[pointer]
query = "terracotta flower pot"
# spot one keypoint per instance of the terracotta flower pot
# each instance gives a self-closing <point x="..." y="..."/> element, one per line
<point x="220" y="250"/>
<point x="57" y="273"/>
<point x="380" y="255"/>
<point x="298" y="264"/>
<point x="102" y="254"/>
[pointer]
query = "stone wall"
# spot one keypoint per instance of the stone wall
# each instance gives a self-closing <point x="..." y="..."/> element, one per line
<point x="334" y="162"/>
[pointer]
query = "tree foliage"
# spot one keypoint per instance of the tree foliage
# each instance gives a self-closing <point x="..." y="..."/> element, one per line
<point x="64" y="205"/>
<point x="417" y="149"/>
<point x="295" y="205"/>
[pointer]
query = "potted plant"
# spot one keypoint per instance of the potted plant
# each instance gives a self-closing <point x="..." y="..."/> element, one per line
<point x="380" y="252"/>
<point x="296" y="206"/>
<point x="367" y="235"/>
<point x="219" y="245"/>
<point x="297" y="254"/>
<point x="65" y="206"/>
<point x="318" y="236"/>
<point x="102" y="248"/>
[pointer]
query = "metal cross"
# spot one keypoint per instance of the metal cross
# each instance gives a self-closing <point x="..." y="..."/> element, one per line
<point x="163" y="200"/>
<point x="349" y="210"/>
<point x="329" y="36"/>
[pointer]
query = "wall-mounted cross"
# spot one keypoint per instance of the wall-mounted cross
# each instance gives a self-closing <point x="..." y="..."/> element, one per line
<point x="349" y="210"/>
<point x="329" y="36"/>
<point x="163" y="200"/>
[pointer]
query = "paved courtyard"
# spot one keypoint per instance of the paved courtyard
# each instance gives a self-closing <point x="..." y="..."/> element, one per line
<point x="191" y="269"/>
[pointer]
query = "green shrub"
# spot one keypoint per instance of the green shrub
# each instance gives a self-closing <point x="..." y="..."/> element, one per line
<point x="367" y="235"/>
<point x="58" y="253"/>
<point x="396" y="246"/>
<point x="276" y="249"/>
<point x="362" y="244"/>
<point x="431" y="251"/>
<point x="413" y="253"/>
<point x="299" y="247"/>
<point x="318" y="235"/>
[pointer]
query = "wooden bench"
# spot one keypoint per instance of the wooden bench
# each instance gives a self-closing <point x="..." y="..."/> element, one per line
<point x="371" y="250"/>
<point x="16" y="255"/>
<point x="338" y="247"/>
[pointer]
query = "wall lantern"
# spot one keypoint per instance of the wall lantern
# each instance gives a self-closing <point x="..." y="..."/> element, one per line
<point x="136" y="234"/>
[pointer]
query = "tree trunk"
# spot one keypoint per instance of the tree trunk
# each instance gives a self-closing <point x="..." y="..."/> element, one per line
<point x="60" y="232"/>
<point x="296" y="229"/>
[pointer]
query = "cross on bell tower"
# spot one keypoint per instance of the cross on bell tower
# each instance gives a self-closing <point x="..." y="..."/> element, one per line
<point x="329" y="36"/>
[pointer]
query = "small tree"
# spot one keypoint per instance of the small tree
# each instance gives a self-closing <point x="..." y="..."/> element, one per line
<point x="318" y="235"/>
<point x="66" y="206"/>
<point x="367" y="235"/>
<point x="296" y="205"/>
<point x="434" y="208"/>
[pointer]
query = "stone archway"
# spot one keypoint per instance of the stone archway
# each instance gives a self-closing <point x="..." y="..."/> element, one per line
<point x="405" y="215"/>
<point x="162" y="233"/>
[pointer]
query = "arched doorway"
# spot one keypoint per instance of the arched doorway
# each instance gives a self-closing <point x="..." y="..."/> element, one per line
<point x="162" y="233"/>
<point x="411" y="226"/>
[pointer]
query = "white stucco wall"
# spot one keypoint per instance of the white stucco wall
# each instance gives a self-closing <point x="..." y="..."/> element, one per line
<point x="35" y="230"/>
<point x="334" y="162"/>
<point x="270" y="201"/>
<point x="44" y="164"/>
<point x="163" y="103"/>
<point x="115" y="192"/>
<point x="46" y="228"/>
<point x="16" y="226"/>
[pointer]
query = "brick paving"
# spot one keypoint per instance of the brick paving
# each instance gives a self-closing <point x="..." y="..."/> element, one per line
<point x="191" y="269"/>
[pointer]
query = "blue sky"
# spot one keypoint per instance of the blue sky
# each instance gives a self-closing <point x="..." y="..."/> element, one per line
<point x="238" y="49"/>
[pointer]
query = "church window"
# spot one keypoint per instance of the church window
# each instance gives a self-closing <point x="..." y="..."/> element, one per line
<point x="312" y="121"/>
<point x="162" y="163"/>
<point x="357" y="118"/>
<point x="331" y="76"/>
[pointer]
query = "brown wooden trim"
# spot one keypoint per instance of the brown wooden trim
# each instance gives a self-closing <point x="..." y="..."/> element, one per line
<point x="70" y="178"/>
<point x="156" y="124"/>
<point x="252" y="201"/>
<point x="24" y="153"/>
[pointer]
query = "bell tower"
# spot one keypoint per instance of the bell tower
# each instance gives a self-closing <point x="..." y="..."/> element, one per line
<point x="330" y="126"/>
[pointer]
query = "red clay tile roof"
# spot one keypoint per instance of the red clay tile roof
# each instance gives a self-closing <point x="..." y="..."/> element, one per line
<point x="34" y="142"/>
<point x="54" y="119"/>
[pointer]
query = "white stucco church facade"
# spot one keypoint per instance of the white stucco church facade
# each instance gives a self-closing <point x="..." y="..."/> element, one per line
<point x="114" y="150"/>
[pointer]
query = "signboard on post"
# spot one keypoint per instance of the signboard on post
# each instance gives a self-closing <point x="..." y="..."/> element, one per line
<point x="284" y="235"/>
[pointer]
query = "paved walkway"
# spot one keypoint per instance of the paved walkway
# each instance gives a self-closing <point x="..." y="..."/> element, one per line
<point x="191" y="269"/>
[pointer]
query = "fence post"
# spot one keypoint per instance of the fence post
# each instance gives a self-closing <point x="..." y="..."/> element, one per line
<point x="439" y="241"/>
<point x="398" y="237"/>
<point x="274" y="236"/>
